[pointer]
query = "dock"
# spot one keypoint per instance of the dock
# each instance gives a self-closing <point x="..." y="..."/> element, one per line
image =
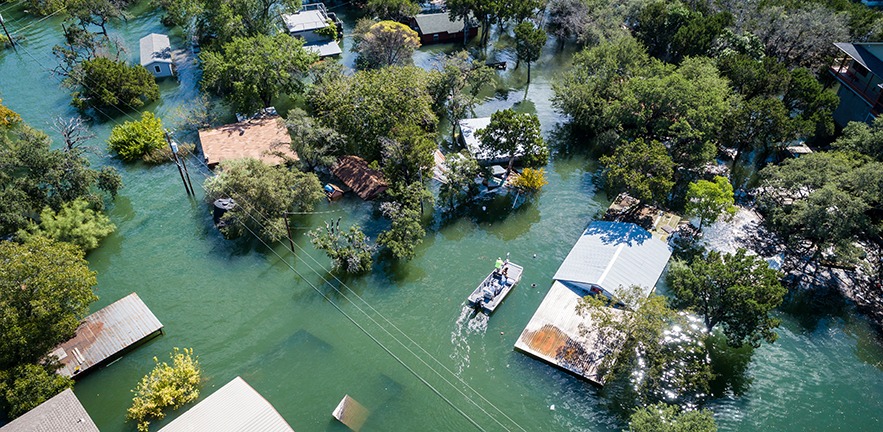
<point x="235" y="407"/>
<point x="106" y="334"/>
<point x="62" y="412"/>
<point x="350" y="413"/>
<point x="607" y="257"/>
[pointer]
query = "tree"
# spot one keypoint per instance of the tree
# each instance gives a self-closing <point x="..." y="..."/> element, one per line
<point x="74" y="131"/>
<point x="394" y="10"/>
<point x="802" y="36"/>
<point x="859" y="137"/>
<point x="455" y="85"/>
<point x="709" y="199"/>
<point x="8" y="117"/>
<point x="759" y="124"/>
<point x="529" y="42"/>
<point x="110" y="83"/>
<point x="24" y="387"/>
<point x="461" y="170"/>
<point x="531" y="180"/>
<point x="75" y="223"/>
<point x="217" y="23"/>
<point x="349" y="250"/>
<point x="165" y="386"/>
<point x="734" y="291"/>
<point x="511" y="134"/>
<point x="407" y="154"/>
<point x="250" y="71"/>
<point x="662" y="417"/>
<point x="386" y="43"/>
<point x="314" y="143"/>
<point x="641" y="168"/>
<point x="406" y="232"/>
<point x="46" y="289"/>
<point x="651" y="345"/>
<point x="134" y="140"/>
<point x="369" y="104"/>
<point x="812" y="103"/>
<point x="263" y="194"/>
<point x="567" y="19"/>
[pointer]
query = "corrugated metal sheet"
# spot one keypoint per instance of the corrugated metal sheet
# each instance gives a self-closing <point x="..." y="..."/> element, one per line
<point x="553" y="335"/>
<point x="106" y="333"/>
<point x="235" y="407"/>
<point x="63" y="412"/>
<point x="351" y="413"/>
<point x="614" y="254"/>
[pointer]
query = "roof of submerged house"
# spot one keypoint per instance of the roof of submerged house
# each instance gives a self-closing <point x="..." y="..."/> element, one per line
<point x="438" y="23"/>
<point x="62" y="412"/>
<point x="155" y="48"/>
<point x="867" y="54"/>
<point x="355" y="173"/>
<point x="615" y="254"/>
<point x="305" y="20"/>
<point x="260" y="138"/>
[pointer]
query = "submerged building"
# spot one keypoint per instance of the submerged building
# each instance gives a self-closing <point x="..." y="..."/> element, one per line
<point x="310" y="24"/>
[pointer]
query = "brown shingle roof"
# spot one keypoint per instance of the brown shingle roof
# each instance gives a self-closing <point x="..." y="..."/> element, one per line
<point x="364" y="181"/>
<point x="258" y="138"/>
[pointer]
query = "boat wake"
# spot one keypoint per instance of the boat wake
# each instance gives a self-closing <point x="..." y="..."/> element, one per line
<point x="469" y="322"/>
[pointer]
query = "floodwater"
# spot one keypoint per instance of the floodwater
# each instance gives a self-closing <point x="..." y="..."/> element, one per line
<point x="398" y="340"/>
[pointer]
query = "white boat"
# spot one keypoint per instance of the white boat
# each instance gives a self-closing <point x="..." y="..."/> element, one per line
<point x="495" y="287"/>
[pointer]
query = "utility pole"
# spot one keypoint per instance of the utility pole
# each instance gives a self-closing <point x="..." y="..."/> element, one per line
<point x="288" y="228"/>
<point x="174" y="148"/>
<point x="3" y="24"/>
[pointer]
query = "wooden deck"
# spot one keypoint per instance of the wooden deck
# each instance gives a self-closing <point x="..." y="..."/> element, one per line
<point x="514" y="275"/>
<point x="106" y="334"/>
<point x="553" y="335"/>
<point x="350" y="413"/>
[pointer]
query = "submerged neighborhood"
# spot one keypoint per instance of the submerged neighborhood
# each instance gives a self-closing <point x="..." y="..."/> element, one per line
<point x="637" y="215"/>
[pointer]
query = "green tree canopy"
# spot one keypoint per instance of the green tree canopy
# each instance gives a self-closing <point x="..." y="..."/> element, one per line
<point x="407" y="154"/>
<point x="709" y="199"/>
<point x="395" y="10"/>
<point x="315" y="144"/>
<point x="250" y="71"/>
<point x="46" y="289"/>
<point x="76" y="223"/>
<point x="349" y="250"/>
<point x="404" y="211"/>
<point x="385" y="43"/>
<point x="461" y="170"/>
<point x="860" y="137"/>
<point x="511" y="134"/>
<point x="456" y="84"/>
<point x="135" y="140"/>
<point x="217" y="23"/>
<point x="641" y="168"/>
<point x="662" y="417"/>
<point x="369" y="104"/>
<point x="114" y="83"/>
<point x="24" y="387"/>
<point x="263" y="195"/>
<point x="529" y="42"/>
<point x="734" y="291"/>
<point x="166" y="386"/>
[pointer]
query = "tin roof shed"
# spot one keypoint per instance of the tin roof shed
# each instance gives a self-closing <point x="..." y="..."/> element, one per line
<point x="155" y="48"/>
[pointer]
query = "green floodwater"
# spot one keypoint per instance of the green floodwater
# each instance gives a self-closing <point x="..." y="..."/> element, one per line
<point x="245" y="312"/>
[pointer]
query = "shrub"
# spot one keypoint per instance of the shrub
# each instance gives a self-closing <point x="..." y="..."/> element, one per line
<point x="531" y="180"/>
<point x="75" y="223"/>
<point x="115" y="84"/>
<point x="166" y="386"/>
<point x="136" y="139"/>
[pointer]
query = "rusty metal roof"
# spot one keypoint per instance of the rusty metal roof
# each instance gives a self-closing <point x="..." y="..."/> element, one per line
<point x="63" y="412"/>
<point x="107" y="333"/>
<point x="353" y="171"/>
<point x="235" y="407"/>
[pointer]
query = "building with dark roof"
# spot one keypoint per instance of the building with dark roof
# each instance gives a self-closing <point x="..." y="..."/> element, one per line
<point x="439" y="28"/>
<point x="354" y="172"/>
<point x="63" y="412"/>
<point x="860" y="74"/>
<point x="235" y="407"/>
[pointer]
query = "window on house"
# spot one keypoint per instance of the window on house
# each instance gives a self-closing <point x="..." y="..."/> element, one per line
<point x="435" y="37"/>
<point x="859" y="69"/>
<point x="157" y="69"/>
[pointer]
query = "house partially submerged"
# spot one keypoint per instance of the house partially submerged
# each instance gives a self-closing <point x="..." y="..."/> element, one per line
<point x="607" y="256"/>
<point x="468" y="137"/>
<point x="308" y="24"/>
<point x="62" y="412"/>
<point x="106" y="334"/>
<point x="264" y="137"/>
<point x="354" y="172"/>
<point x="235" y="407"/>
<point x="860" y="74"/>
<point x="440" y="28"/>
<point x="156" y="55"/>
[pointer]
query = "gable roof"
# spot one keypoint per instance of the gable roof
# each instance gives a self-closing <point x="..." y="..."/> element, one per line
<point x="257" y="138"/>
<point x="63" y="412"/>
<point x="438" y="23"/>
<point x="861" y="53"/>
<point x="235" y="407"/>
<point x="614" y="254"/>
<point x="155" y="48"/>
<point x="364" y="181"/>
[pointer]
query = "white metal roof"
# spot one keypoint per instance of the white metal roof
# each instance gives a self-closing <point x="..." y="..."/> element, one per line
<point x="155" y="48"/>
<point x="615" y="254"/>
<point x="235" y="407"/>
<point x="438" y="23"/>
<point x="305" y="20"/>
<point x="324" y="49"/>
